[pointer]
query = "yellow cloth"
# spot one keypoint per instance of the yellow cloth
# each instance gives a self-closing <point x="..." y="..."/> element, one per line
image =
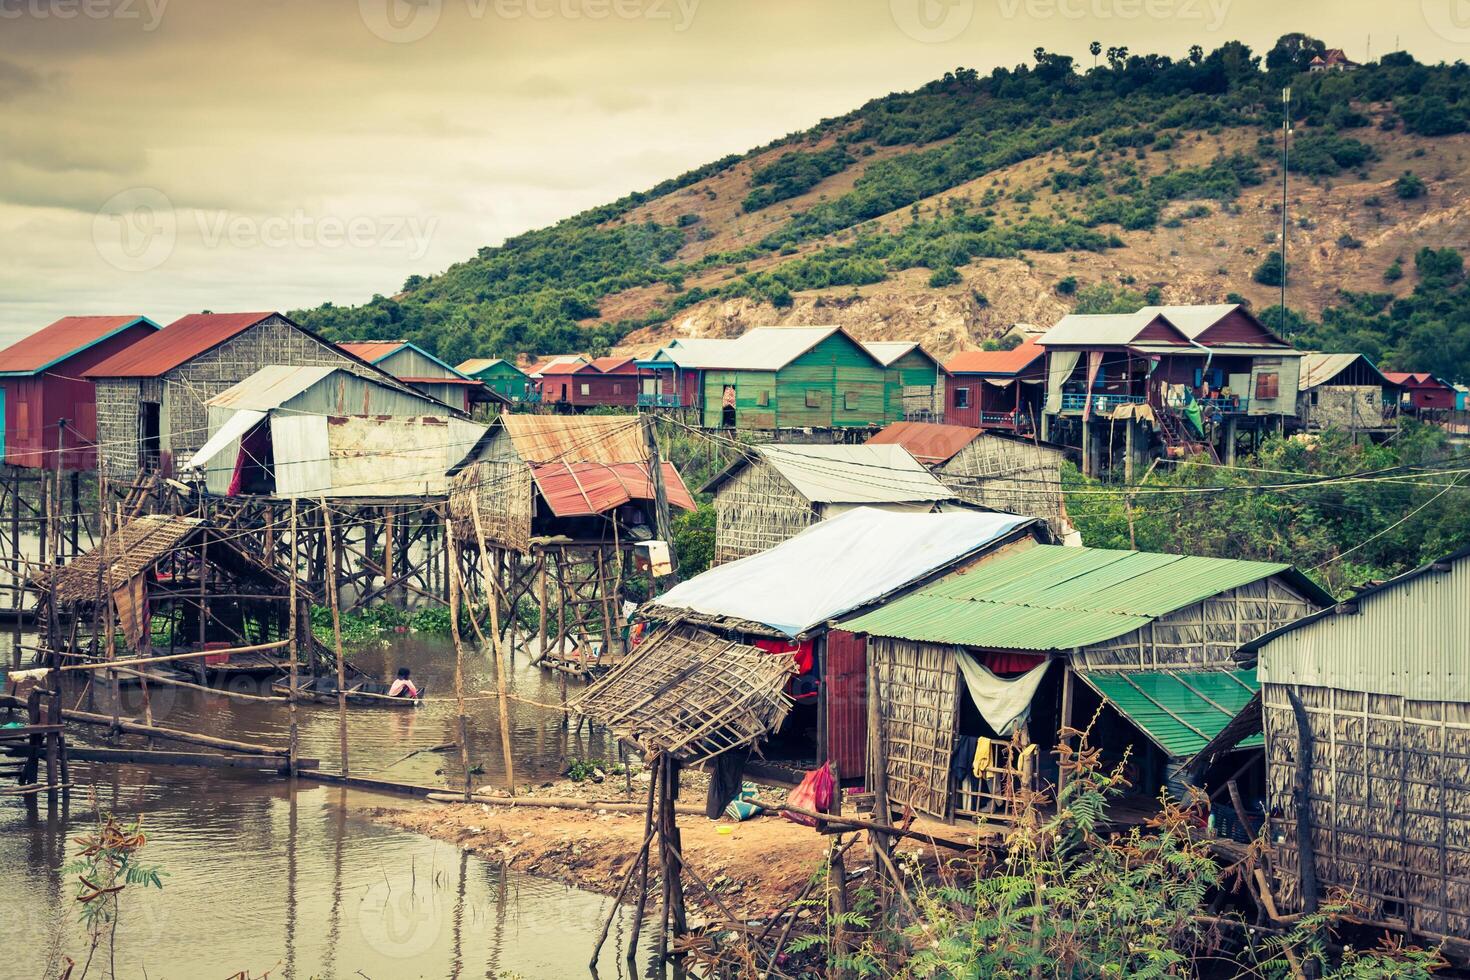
<point x="1025" y="757"/>
<point x="982" y="756"/>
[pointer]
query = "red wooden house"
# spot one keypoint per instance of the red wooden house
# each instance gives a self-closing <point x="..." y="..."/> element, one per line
<point x="603" y="381"/>
<point x="41" y="383"/>
<point x="997" y="389"/>
<point x="1423" y="391"/>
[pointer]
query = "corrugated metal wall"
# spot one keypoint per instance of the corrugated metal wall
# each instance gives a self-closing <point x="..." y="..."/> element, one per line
<point x="1412" y="641"/>
<point x="847" y="703"/>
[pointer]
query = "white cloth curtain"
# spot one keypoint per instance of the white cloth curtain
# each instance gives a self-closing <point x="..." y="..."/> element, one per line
<point x="1004" y="702"/>
<point x="1059" y="366"/>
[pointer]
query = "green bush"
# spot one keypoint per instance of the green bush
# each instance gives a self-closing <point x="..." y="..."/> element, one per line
<point x="1409" y="186"/>
<point x="1272" y="271"/>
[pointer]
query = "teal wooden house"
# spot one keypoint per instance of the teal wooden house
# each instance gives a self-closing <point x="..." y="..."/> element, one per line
<point x="784" y="378"/>
<point x="499" y="375"/>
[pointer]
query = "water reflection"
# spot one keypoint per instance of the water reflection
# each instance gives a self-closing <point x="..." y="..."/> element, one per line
<point x="297" y="879"/>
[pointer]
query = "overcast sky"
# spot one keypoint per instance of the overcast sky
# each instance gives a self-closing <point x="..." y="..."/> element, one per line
<point x="167" y="156"/>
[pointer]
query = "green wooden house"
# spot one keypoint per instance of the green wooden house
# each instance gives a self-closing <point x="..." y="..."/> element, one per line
<point x="775" y="378"/>
<point x="913" y="381"/>
<point x="498" y="375"/>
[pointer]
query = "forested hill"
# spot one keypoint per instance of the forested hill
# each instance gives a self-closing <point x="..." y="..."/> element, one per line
<point x="949" y="213"/>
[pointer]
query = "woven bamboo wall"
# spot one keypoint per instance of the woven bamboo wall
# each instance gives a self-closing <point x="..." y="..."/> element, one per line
<point x="501" y="489"/>
<point x="918" y="709"/>
<point x="1205" y="634"/>
<point x="755" y="510"/>
<point x="1007" y="475"/>
<point x="1390" y="803"/>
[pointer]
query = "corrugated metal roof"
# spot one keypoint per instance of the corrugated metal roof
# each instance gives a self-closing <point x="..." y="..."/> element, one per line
<point x="1411" y="378"/>
<point x="928" y="442"/>
<point x="839" y="565"/>
<point x="576" y="438"/>
<point x="563" y="367"/>
<point x="1180" y="711"/>
<point x="1191" y="320"/>
<point x="888" y="351"/>
<point x="758" y="349"/>
<point x="588" y="489"/>
<point x="179" y="342"/>
<point x="1318" y="368"/>
<point x="1218" y="350"/>
<point x="615" y="365"/>
<point x="854" y="474"/>
<point x="1006" y="362"/>
<point x="372" y="351"/>
<point x="536" y="368"/>
<point x="475" y="365"/>
<point x="1114" y="329"/>
<point x="1056" y="598"/>
<point x="66" y="337"/>
<point x="270" y="387"/>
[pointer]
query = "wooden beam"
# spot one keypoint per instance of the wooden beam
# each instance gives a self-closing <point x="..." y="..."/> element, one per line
<point x="193" y="655"/>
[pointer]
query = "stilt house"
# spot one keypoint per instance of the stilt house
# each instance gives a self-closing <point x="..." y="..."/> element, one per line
<point x="988" y="469"/>
<point x="316" y="432"/>
<point x="782" y="601"/>
<point x="150" y="397"/>
<point x="775" y="492"/>
<point x="499" y="375"/>
<point x="1423" y="392"/>
<point x="913" y="382"/>
<point x="41" y="384"/>
<point x="976" y="674"/>
<point x="1346" y="391"/>
<point x="425" y="373"/>
<point x="997" y="389"/>
<point x="1366" y="709"/>
<point x="600" y="382"/>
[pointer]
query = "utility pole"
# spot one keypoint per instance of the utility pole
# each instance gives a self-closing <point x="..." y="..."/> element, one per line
<point x="1285" y="169"/>
<point x="665" y="527"/>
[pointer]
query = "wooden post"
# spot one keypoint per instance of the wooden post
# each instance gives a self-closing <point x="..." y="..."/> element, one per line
<point x="292" y="742"/>
<point x="17" y="571"/>
<point x="330" y="594"/>
<point x="541" y="603"/>
<point x="497" y="645"/>
<point x="660" y="496"/>
<point x="1067" y="704"/>
<point x="452" y="584"/>
<point x="1128" y="453"/>
<point x="1305" y="855"/>
<point x="1087" y="453"/>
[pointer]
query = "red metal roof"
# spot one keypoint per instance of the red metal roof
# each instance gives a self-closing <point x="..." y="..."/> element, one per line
<point x="372" y="350"/>
<point x="588" y="489"/>
<point x="564" y="368"/>
<point x="615" y="365"/>
<point x="996" y="361"/>
<point x="928" y="442"/>
<point x="68" y="336"/>
<point x="183" y="340"/>
<point x="1419" y="379"/>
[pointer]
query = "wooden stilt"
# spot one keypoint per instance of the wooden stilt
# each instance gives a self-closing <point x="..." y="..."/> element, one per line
<point x="331" y="595"/>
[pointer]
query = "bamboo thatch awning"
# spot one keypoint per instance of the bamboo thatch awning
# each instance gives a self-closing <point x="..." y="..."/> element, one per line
<point x="692" y="694"/>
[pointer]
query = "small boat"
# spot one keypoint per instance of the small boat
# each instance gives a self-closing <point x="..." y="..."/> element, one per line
<point x="364" y="694"/>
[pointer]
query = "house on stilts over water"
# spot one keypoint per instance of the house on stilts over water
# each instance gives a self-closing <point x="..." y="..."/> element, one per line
<point x="975" y="675"/>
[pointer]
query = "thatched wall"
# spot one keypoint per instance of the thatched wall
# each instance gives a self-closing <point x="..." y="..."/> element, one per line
<point x="1008" y="475"/>
<point x="1390" y="803"/>
<point x="918" y="691"/>
<point x="756" y="510"/>
<point x="501" y="491"/>
<point x="1205" y="634"/>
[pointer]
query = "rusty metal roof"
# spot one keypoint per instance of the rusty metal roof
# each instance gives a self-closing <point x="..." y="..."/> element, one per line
<point x="588" y="489"/>
<point x="65" y="338"/>
<point x="615" y="365"/>
<point x="1007" y="362"/>
<point x="930" y="443"/>
<point x="372" y="351"/>
<point x="179" y="342"/>
<point x="576" y="438"/>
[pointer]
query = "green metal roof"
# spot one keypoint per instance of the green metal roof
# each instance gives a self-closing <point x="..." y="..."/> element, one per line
<point x="1055" y="598"/>
<point x="1179" y="711"/>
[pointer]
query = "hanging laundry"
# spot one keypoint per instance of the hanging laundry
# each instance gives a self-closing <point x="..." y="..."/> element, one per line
<point x="1004" y="703"/>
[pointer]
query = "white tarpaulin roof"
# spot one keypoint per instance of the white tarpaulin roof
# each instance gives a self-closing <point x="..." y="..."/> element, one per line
<point x="867" y="474"/>
<point x="837" y="566"/>
<point x="227" y="435"/>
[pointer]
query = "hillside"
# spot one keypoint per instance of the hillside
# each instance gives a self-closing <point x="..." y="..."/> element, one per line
<point x="950" y="213"/>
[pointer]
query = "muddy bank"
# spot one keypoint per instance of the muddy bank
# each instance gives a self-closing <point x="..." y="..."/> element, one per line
<point x="757" y="866"/>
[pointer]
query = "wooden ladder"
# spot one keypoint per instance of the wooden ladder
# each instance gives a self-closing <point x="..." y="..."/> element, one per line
<point x="1176" y="433"/>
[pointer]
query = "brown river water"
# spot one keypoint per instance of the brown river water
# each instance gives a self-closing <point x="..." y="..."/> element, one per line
<point x="296" y="880"/>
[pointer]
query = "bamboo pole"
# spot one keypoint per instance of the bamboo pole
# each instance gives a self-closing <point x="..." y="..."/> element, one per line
<point x="452" y="584"/>
<point x="498" y="648"/>
<point x="331" y="597"/>
<point x="191" y="655"/>
<point x="293" y="739"/>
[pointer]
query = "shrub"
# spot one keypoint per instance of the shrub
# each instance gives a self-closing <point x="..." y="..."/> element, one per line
<point x="1272" y="271"/>
<point x="1067" y="286"/>
<point x="1394" y="272"/>
<point x="1409" y="186"/>
<point x="945" y="275"/>
<point x="1346" y="240"/>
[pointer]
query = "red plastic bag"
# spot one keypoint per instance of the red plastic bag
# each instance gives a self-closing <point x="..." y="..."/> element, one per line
<point x="814" y="793"/>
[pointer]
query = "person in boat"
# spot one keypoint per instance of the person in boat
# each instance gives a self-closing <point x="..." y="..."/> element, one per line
<point x="402" y="686"/>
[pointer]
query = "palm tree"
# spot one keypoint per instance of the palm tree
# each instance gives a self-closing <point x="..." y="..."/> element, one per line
<point x="1096" y="48"/>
